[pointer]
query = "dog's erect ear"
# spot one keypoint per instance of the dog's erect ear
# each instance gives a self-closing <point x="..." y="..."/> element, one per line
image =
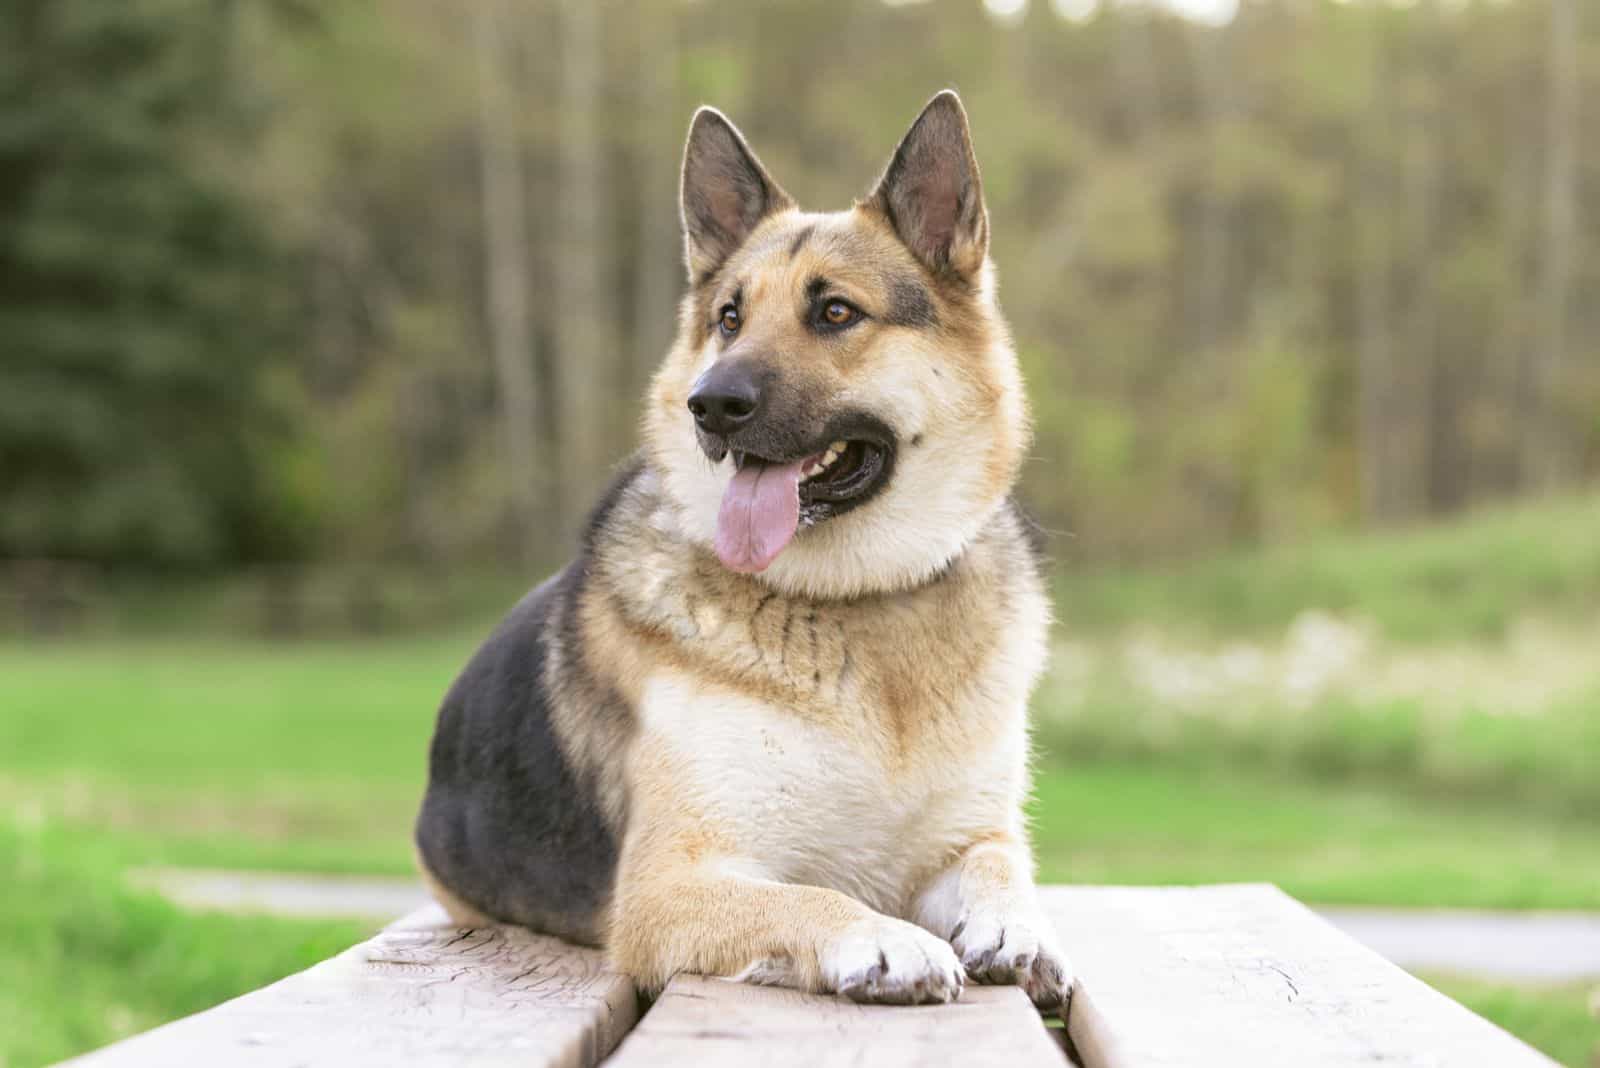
<point x="931" y="191"/>
<point x="725" y="193"/>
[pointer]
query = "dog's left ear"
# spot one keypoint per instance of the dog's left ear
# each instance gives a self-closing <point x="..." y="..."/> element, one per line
<point x="931" y="192"/>
<point x="725" y="193"/>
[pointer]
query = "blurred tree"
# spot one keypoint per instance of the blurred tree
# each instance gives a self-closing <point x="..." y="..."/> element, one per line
<point x="1550" y="443"/>
<point x="1322" y="265"/>
<point x="141" y="301"/>
<point x="586" y="356"/>
<point x="658" y="143"/>
<point x="507" y="275"/>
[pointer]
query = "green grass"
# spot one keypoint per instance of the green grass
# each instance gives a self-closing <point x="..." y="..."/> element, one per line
<point x="236" y="719"/>
<point x="246" y="754"/>
<point x="1471" y="578"/>
<point x="310" y="756"/>
<point x="1555" y="1019"/>
<point x="1542" y="762"/>
<point x="1371" y="845"/>
<point x="85" y="961"/>
<point x="238" y="754"/>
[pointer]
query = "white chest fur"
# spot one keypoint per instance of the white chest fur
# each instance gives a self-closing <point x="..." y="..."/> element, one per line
<point x="824" y="803"/>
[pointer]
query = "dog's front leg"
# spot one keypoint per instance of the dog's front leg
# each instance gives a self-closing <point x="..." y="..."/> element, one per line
<point x="709" y="917"/>
<point x="986" y="905"/>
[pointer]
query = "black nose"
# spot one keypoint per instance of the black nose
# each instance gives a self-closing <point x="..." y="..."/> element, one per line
<point x="726" y="397"/>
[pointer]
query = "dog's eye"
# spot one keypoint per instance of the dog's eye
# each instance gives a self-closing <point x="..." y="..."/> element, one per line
<point x="838" y="313"/>
<point x="728" y="321"/>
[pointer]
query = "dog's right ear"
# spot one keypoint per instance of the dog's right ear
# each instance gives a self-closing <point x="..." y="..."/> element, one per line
<point x="725" y="194"/>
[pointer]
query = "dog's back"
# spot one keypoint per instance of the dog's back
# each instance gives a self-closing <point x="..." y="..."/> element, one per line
<point x="516" y="825"/>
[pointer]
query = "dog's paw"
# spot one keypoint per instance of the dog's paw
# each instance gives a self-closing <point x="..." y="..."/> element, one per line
<point x="889" y="960"/>
<point x="1014" y="948"/>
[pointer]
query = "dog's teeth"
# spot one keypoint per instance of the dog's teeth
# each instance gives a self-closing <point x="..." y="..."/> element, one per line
<point x="838" y="446"/>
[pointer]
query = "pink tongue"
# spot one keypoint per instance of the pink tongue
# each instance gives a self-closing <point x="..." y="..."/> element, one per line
<point x="760" y="510"/>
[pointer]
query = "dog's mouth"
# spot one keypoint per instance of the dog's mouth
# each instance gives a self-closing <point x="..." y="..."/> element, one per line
<point x="842" y="472"/>
<point x="769" y="499"/>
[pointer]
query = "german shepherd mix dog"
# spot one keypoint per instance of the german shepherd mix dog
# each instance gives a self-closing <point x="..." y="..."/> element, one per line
<point x="771" y="723"/>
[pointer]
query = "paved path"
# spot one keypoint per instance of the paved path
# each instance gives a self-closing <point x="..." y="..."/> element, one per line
<point x="1518" y="946"/>
<point x="1513" y="946"/>
<point x="355" y="897"/>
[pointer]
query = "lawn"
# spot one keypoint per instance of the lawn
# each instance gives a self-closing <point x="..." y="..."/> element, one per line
<point x="1556" y="1019"/>
<point x="1412" y="773"/>
<point x="84" y="960"/>
<point x="1476" y="577"/>
<point x="311" y="757"/>
<point x="1355" y="844"/>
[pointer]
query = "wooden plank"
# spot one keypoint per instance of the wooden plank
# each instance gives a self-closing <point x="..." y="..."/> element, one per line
<point x="713" y="1022"/>
<point x="1247" y="977"/>
<point x="421" y="993"/>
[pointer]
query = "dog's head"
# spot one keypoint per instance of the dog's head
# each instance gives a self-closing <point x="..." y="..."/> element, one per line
<point x="842" y="409"/>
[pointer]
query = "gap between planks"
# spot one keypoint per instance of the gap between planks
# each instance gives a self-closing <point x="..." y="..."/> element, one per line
<point x="1241" y="976"/>
<point x="717" y="1022"/>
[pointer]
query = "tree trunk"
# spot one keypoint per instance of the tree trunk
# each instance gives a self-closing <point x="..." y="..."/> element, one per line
<point x="1204" y="289"/>
<point x="1550" y="450"/>
<point x="657" y="265"/>
<point x="1509" y="359"/>
<point x="587" y="404"/>
<point x="1134" y="74"/>
<point x="506" y="269"/>
<point x="1414" y="413"/>
<point x="1375" y="355"/>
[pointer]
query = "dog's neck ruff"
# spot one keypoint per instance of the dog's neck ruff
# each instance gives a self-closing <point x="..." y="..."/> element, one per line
<point x="645" y="535"/>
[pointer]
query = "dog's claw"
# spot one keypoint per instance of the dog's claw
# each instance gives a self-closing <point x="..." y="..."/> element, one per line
<point x="907" y="964"/>
<point x="1013" y="949"/>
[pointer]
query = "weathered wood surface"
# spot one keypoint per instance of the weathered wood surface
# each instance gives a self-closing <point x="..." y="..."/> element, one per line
<point x="699" y="1021"/>
<point x="1241" y="976"/>
<point x="1247" y="977"/>
<point x="421" y="993"/>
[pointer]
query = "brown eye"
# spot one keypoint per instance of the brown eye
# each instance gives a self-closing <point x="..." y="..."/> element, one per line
<point x="838" y="313"/>
<point x="729" y="321"/>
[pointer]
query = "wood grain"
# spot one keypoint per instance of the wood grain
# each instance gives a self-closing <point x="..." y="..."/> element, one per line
<point x="1247" y="977"/>
<point x="1242" y="976"/>
<point x="421" y="993"/>
<point x="699" y="1021"/>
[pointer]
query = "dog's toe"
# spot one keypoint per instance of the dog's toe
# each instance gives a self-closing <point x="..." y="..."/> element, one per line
<point x="1013" y="948"/>
<point x="891" y="961"/>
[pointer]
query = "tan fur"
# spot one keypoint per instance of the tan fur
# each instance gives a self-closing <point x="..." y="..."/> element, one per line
<point x="956" y="387"/>
<point x="914" y="684"/>
<point x="822" y="780"/>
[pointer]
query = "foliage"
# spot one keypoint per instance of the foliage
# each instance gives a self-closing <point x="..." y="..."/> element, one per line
<point x="140" y="297"/>
<point x="1299" y="272"/>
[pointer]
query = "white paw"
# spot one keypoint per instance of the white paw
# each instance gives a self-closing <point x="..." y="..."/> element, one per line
<point x="889" y="960"/>
<point x="1014" y="948"/>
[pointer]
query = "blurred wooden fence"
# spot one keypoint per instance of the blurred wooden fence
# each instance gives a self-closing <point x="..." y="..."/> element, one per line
<point x="42" y="598"/>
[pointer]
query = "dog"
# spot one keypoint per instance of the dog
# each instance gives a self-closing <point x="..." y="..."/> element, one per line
<point x="771" y="723"/>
